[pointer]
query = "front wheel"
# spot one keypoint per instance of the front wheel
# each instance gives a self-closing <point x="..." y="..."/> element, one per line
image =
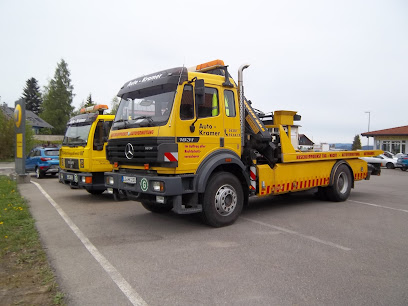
<point x="223" y="200"/>
<point x="390" y="166"/>
<point x="340" y="190"/>
<point x="157" y="208"/>
<point x="95" y="191"/>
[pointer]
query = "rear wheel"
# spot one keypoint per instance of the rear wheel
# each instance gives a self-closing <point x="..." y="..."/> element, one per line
<point x="340" y="190"/>
<point x="390" y="166"/>
<point x="38" y="173"/>
<point x="157" y="208"/>
<point x="404" y="168"/>
<point x="223" y="200"/>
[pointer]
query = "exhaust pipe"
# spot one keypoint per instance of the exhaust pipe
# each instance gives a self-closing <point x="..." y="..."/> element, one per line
<point x="241" y="103"/>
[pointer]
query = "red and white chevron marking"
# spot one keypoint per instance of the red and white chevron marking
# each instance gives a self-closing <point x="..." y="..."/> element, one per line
<point x="171" y="156"/>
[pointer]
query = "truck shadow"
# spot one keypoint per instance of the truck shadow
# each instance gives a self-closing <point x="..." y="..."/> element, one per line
<point x="283" y="202"/>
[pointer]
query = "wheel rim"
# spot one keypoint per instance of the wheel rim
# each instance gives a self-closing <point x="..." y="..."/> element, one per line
<point x="225" y="200"/>
<point x="37" y="172"/>
<point x="343" y="182"/>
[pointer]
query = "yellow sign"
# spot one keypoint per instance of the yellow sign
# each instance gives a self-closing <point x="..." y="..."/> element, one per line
<point x="19" y="144"/>
<point x="17" y="115"/>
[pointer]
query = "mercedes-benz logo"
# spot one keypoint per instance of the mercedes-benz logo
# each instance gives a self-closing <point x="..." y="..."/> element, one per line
<point x="129" y="152"/>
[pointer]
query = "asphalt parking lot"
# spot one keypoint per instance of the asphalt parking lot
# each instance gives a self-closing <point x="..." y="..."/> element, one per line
<point x="286" y="250"/>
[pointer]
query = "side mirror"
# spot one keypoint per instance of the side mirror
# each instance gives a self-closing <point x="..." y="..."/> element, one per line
<point x="199" y="90"/>
<point x="199" y="94"/>
<point x="199" y="87"/>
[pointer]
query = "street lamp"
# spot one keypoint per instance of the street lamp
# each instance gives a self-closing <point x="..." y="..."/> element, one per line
<point x="368" y="138"/>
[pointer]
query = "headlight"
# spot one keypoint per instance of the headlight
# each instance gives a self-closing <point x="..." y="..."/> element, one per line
<point x="158" y="186"/>
<point x="109" y="180"/>
<point x="83" y="179"/>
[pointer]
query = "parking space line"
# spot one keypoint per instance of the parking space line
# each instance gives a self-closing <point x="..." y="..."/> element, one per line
<point x="285" y="230"/>
<point x="376" y="205"/>
<point x="114" y="274"/>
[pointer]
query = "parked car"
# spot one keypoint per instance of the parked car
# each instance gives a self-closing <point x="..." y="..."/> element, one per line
<point x="385" y="161"/>
<point x="388" y="154"/>
<point x="43" y="161"/>
<point x="403" y="162"/>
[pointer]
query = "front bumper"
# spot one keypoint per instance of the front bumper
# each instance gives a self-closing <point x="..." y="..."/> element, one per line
<point x="86" y="180"/>
<point x="143" y="183"/>
<point x="179" y="191"/>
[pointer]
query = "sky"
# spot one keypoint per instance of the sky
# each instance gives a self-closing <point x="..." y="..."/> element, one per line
<point x="331" y="61"/>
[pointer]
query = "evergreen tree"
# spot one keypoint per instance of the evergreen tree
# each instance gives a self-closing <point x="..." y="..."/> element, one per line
<point x="89" y="101"/>
<point x="32" y="96"/>
<point x="356" y="143"/>
<point x="58" y="96"/>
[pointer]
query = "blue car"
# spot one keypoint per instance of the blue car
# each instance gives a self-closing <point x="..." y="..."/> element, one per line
<point x="43" y="161"/>
<point x="403" y="162"/>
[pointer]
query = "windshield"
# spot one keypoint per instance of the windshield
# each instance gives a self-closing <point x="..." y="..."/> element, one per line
<point x="76" y="135"/>
<point x="144" y="108"/>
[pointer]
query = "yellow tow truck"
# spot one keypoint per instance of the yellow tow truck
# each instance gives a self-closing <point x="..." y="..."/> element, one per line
<point x="187" y="140"/>
<point x="82" y="154"/>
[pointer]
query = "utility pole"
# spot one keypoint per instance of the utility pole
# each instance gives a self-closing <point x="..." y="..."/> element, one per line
<point x="368" y="138"/>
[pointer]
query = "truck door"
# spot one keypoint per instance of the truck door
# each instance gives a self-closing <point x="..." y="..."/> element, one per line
<point x="208" y="127"/>
<point x="232" y="130"/>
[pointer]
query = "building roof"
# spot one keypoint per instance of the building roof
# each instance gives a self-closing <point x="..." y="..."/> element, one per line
<point x="33" y="119"/>
<point x="397" y="131"/>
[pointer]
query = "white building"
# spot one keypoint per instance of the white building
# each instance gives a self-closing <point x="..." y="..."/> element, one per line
<point x="394" y="140"/>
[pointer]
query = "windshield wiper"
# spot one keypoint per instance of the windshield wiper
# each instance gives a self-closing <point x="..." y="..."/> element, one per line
<point x="122" y="122"/>
<point x="148" y="118"/>
<point x="75" y="144"/>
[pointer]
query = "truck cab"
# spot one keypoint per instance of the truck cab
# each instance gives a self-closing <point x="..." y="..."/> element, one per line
<point x="83" y="151"/>
<point x="187" y="140"/>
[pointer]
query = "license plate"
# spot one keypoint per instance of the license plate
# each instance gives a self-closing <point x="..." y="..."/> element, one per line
<point x="129" y="179"/>
<point x="70" y="177"/>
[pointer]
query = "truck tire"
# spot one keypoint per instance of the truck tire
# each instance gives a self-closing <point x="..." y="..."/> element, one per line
<point x="223" y="200"/>
<point x="157" y="208"/>
<point x="95" y="191"/>
<point x="404" y="169"/>
<point x="340" y="190"/>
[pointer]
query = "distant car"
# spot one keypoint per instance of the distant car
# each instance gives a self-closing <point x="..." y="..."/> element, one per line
<point x="385" y="161"/>
<point x="403" y="162"/>
<point x="43" y="161"/>
<point x="388" y="154"/>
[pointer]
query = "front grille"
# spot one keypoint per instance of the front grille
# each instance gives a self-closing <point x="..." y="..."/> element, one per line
<point x="71" y="163"/>
<point x="145" y="150"/>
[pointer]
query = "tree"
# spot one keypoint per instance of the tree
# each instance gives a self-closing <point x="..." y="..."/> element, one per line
<point x="89" y="101"/>
<point x="115" y="105"/>
<point x="356" y="143"/>
<point x="8" y="136"/>
<point x="58" y="96"/>
<point x="32" y="96"/>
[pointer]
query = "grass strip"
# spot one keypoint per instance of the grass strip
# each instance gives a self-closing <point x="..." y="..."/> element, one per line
<point x="25" y="275"/>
